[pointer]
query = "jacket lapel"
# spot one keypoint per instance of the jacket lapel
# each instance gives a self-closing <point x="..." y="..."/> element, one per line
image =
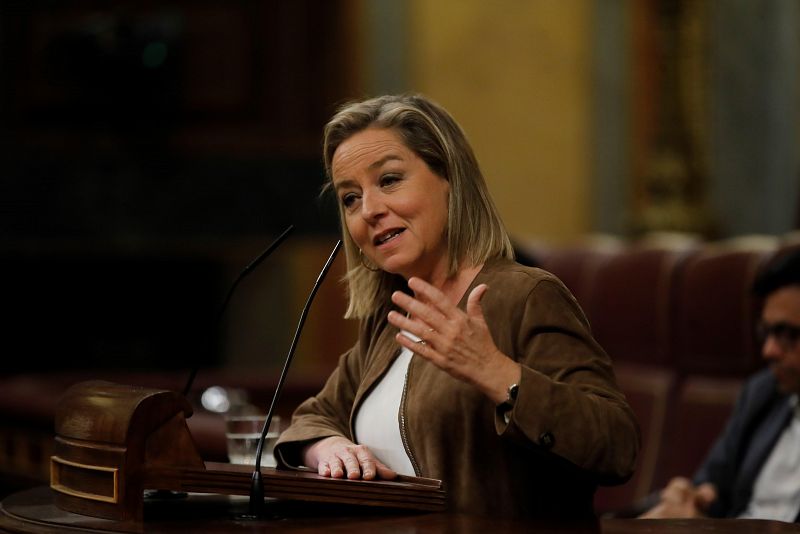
<point x="761" y="444"/>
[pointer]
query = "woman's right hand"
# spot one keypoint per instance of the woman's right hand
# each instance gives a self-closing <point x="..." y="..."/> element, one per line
<point x="335" y="456"/>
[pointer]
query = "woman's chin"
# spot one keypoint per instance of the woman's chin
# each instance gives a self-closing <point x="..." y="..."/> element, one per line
<point x="388" y="268"/>
<point x="394" y="267"/>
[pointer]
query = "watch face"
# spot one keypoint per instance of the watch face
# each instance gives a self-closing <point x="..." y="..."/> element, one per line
<point x="512" y="391"/>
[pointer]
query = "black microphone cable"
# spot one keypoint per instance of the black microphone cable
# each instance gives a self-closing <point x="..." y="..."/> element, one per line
<point x="247" y="270"/>
<point x="257" y="482"/>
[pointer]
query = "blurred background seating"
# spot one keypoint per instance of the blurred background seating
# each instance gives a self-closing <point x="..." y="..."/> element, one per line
<point x="649" y="390"/>
<point x="678" y="318"/>
<point x="715" y="312"/>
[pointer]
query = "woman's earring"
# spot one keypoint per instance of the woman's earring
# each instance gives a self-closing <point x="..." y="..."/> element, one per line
<point x="367" y="267"/>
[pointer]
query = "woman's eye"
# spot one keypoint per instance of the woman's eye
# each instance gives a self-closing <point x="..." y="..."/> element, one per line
<point x="389" y="179"/>
<point x="348" y="199"/>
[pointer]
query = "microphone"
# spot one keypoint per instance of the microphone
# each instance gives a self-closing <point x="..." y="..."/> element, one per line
<point x="247" y="270"/>
<point x="257" y="483"/>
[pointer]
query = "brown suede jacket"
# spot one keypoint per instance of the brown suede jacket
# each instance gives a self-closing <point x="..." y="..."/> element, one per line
<point x="570" y="428"/>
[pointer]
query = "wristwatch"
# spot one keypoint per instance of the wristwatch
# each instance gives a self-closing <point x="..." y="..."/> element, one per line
<point x="511" y="398"/>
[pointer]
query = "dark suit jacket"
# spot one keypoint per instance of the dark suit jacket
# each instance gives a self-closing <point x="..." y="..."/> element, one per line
<point x="760" y="415"/>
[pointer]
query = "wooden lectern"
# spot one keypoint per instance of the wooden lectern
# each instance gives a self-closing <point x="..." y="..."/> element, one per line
<point x="114" y="441"/>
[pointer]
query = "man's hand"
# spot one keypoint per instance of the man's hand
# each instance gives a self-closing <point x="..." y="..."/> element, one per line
<point x="682" y="500"/>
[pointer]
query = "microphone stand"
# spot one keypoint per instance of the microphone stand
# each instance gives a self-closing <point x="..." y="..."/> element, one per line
<point x="166" y="494"/>
<point x="256" y="505"/>
<point x="253" y="264"/>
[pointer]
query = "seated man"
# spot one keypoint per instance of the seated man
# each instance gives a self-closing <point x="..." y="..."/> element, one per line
<point x="753" y="470"/>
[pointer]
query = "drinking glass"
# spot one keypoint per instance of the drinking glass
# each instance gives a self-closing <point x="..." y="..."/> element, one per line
<point x="242" y="433"/>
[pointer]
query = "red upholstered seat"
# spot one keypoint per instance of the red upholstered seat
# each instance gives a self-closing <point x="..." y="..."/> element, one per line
<point x="648" y="391"/>
<point x="716" y="312"/>
<point x="630" y="303"/>
<point x="577" y="264"/>
<point x="698" y="414"/>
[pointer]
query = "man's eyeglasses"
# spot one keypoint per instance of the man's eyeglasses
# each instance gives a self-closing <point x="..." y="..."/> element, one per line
<point x="784" y="334"/>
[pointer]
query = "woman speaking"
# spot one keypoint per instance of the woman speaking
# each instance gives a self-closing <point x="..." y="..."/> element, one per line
<point x="469" y="367"/>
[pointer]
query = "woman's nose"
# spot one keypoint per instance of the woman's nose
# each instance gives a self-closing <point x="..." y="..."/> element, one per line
<point x="372" y="206"/>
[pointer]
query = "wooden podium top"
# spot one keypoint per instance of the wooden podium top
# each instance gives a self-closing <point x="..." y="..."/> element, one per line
<point x="33" y="511"/>
<point x="113" y="442"/>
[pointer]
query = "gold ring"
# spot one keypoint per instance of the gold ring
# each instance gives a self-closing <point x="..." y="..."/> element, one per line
<point x="422" y="342"/>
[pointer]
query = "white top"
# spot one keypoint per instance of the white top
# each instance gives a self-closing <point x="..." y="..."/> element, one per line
<point x="378" y="418"/>
<point x="776" y="494"/>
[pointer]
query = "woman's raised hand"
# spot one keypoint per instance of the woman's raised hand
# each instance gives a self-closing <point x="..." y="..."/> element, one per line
<point x="457" y="342"/>
<point x="337" y="456"/>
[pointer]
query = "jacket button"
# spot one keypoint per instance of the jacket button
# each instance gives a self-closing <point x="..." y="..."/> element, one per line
<point x="547" y="440"/>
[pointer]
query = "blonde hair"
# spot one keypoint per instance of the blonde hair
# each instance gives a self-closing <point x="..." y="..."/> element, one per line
<point x="475" y="232"/>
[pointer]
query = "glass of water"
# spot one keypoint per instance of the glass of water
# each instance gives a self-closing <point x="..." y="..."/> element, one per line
<point x="242" y="433"/>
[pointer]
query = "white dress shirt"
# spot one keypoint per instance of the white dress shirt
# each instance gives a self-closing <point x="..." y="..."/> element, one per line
<point x="776" y="493"/>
